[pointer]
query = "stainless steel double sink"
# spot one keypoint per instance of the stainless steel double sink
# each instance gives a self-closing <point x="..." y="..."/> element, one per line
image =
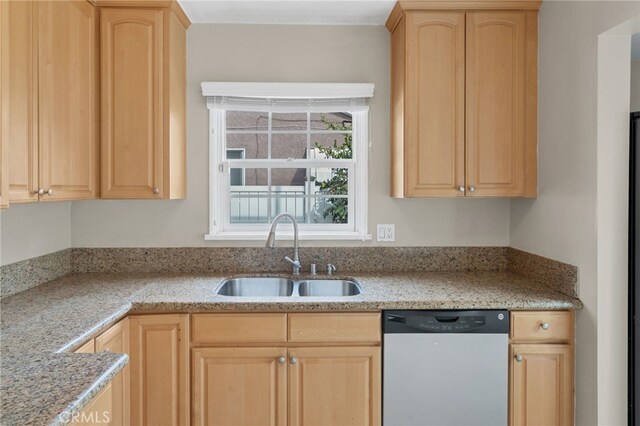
<point x="285" y="287"/>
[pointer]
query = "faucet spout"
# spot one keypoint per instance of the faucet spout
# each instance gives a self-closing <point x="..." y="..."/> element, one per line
<point x="271" y="239"/>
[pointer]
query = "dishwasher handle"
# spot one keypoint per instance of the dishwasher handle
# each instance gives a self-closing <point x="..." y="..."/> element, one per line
<point x="447" y="319"/>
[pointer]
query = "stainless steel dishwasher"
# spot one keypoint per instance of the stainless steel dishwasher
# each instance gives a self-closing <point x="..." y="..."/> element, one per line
<point x="445" y="368"/>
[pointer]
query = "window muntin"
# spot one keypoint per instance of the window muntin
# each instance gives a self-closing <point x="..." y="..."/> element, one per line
<point x="277" y="174"/>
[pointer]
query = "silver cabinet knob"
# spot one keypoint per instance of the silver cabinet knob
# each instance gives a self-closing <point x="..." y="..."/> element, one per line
<point x="472" y="188"/>
<point x="519" y="358"/>
<point x="156" y="190"/>
<point x="544" y="325"/>
<point x="461" y="188"/>
<point x="282" y="360"/>
<point x="49" y="192"/>
<point x="293" y="360"/>
<point x="38" y="191"/>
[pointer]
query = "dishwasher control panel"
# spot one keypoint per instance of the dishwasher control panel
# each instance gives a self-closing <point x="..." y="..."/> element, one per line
<point x="493" y="321"/>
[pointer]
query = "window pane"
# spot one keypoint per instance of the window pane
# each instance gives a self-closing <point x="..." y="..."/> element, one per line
<point x="289" y="121"/>
<point x="331" y="121"/>
<point x="289" y="180"/>
<point x="290" y="203"/>
<point x="247" y="120"/>
<point x="330" y="181"/>
<point x="331" y="145"/>
<point x="248" y="207"/>
<point x="256" y="177"/>
<point x="329" y="210"/>
<point x="289" y="146"/>
<point x="254" y="146"/>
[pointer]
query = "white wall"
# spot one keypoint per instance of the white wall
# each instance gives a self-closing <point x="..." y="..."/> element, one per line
<point x="614" y="65"/>
<point x="562" y="222"/>
<point x="635" y="85"/>
<point x="289" y="54"/>
<point x="30" y="230"/>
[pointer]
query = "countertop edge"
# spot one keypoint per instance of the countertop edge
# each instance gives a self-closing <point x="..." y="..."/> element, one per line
<point x="91" y="333"/>
<point x="66" y="415"/>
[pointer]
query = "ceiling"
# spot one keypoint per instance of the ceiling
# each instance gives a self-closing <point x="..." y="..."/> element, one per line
<point x="309" y="12"/>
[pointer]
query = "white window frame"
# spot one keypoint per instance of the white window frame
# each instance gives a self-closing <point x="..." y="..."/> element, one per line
<point x="241" y="150"/>
<point x="288" y="97"/>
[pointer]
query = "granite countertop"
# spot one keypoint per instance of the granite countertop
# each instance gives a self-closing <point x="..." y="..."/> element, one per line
<point x="38" y="327"/>
<point x="49" y="389"/>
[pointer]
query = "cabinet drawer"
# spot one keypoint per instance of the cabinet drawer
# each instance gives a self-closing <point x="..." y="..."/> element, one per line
<point x="334" y="327"/>
<point x="249" y="328"/>
<point x="542" y="326"/>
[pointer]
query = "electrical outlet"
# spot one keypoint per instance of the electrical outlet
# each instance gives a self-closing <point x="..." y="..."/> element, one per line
<point x="386" y="232"/>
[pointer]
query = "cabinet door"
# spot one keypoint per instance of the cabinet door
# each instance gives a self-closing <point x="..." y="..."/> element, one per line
<point x="68" y="96"/>
<point x="116" y="340"/>
<point x="98" y="411"/>
<point x="20" y="97"/>
<point x="132" y="60"/>
<point x="4" y="140"/>
<point x="541" y="385"/>
<point x="495" y="68"/>
<point x="159" y="363"/>
<point x="239" y="386"/>
<point x="434" y="122"/>
<point x="334" y="386"/>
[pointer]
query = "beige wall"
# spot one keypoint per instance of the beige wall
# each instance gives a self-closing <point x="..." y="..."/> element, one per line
<point x="30" y="230"/>
<point x="562" y="222"/>
<point x="635" y="85"/>
<point x="288" y="54"/>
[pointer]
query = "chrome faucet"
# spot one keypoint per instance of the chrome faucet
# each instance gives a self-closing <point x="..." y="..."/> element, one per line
<point x="271" y="240"/>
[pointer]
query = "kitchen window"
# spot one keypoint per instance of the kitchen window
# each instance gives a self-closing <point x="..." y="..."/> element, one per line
<point x="296" y="148"/>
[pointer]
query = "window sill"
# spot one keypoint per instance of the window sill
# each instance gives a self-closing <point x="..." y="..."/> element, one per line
<point x="303" y="236"/>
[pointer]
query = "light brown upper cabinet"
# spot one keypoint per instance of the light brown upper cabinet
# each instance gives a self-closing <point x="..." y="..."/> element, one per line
<point x="463" y="100"/>
<point x="50" y="100"/>
<point x="4" y="163"/>
<point x="143" y="65"/>
<point x="20" y="98"/>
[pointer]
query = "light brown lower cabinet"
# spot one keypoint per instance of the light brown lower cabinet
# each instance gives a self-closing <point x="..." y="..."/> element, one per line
<point x="301" y="370"/>
<point x="334" y="386"/>
<point x="240" y="386"/>
<point x="254" y="386"/>
<point x="98" y="411"/>
<point x="116" y="340"/>
<point x="541" y="388"/>
<point x="111" y="405"/>
<point x="159" y="362"/>
<point x="327" y="380"/>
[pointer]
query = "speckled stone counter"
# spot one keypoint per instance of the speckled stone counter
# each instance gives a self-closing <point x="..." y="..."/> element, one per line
<point x="39" y="325"/>
<point x="49" y="389"/>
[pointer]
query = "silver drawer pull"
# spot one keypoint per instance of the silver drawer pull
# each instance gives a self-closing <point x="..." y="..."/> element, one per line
<point x="544" y="325"/>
